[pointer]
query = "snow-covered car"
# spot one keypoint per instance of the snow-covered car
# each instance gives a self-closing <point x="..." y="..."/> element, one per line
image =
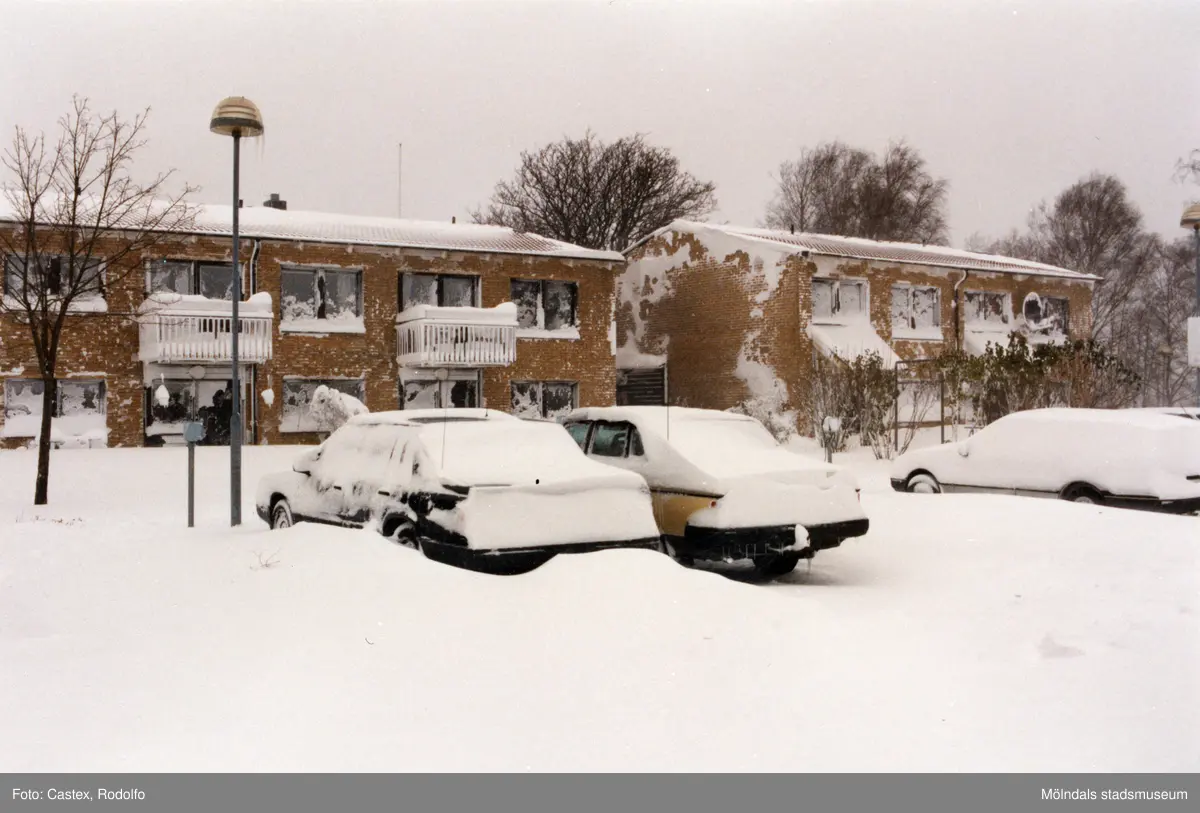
<point x="1118" y="457"/>
<point x="724" y="490"/>
<point x="470" y="487"/>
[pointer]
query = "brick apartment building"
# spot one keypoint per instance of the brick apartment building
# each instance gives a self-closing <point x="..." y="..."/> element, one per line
<point x="397" y="313"/>
<point x="714" y="315"/>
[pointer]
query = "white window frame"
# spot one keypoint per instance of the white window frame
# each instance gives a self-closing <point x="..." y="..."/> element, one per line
<point x="97" y="303"/>
<point x="540" y="331"/>
<point x="322" y="324"/>
<point x="452" y="375"/>
<point x="541" y="386"/>
<point x="929" y="333"/>
<point x="981" y="326"/>
<point x="102" y="409"/>
<point x="837" y="317"/>
<point x="476" y="283"/>
<point x="299" y="427"/>
<point x="194" y="266"/>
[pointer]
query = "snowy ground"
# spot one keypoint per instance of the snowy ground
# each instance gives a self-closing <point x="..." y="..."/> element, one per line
<point x="964" y="633"/>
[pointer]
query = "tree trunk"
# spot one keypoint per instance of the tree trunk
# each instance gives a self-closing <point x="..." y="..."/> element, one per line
<point x="49" y="398"/>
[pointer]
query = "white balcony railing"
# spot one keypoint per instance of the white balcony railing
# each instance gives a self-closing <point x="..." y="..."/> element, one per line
<point x="192" y="329"/>
<point x="429" y="336"/>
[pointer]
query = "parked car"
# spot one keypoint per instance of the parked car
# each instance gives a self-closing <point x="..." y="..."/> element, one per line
<point x="470" y="487"/>
<point x="1124" y="458"/>
<point x="724" y="490"/>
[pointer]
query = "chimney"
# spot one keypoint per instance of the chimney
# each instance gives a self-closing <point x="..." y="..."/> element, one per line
<point x="793" y="228"/>
<point x="453" y="219"/>
<point x="274" y="202"/>
<point x="239" y="203"/>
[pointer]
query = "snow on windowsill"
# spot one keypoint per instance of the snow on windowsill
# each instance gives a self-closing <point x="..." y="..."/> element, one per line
<point x="259" y="304"/>
<point x="503" y="314"/>
<point x="323" y="326"/>
<point x="71" y="427"/>
<point x="570" y="333"/>
<point x="932" y="335"/>
<point x="89" y="305"/>
<point x="630" y="358"/>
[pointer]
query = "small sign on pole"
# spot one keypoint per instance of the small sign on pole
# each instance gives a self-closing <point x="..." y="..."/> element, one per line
<point x="193" y="433"/>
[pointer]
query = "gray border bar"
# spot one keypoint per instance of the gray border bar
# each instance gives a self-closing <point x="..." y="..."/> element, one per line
<point x="612" y="793"/>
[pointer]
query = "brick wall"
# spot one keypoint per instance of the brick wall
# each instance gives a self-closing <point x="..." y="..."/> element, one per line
<point x="703" y="311"/>
<point x="108" y="343"/>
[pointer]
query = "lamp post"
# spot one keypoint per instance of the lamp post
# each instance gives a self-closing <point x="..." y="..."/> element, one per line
<point x="236" y="116"/>
<point x="1191" y="219"/>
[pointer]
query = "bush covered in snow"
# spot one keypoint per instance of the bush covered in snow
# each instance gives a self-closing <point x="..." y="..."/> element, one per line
<point x="330" y="408"/>
<point x="859" y="395"/>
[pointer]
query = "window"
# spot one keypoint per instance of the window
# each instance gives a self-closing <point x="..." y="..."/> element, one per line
<point x="179" y="407"/>
<point x="543" y="399"/>
<point x="988" y="309"/>
<point x="1052" y="312"/>
<point x="298" y="394"/>
<point x="610" y="439"/>
<point x="79" y="407"/>
<point x="320" y="300"/>
<point x="54" y="277"/>
<point x="838" y="299"/>
<point x="579" y="433"/>
<point x="434" y="394"/>
<point x="546" y="305"/>
<point x="211" y="279"/>
<point x="916" y="312"/>
<point x="444" y="290"/>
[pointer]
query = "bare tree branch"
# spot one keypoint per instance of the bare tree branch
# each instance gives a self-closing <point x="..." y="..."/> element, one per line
<point x="597" y="195"/>
<point x="73" y="225"/>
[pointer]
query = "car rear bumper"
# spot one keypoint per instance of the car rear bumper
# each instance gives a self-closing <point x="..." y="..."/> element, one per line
<point x="1185" y="506"/>
<point x="722" y="544"/>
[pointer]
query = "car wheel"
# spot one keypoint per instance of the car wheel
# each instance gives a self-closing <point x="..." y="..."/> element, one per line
<point x="1083" y="494"/>
<point x="923" y="484"/>
<point x="281" y="516"/>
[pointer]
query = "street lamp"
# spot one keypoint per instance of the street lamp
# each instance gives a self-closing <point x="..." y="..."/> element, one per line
<point x="236" y="116"/>
<point x="1191" y="219"/>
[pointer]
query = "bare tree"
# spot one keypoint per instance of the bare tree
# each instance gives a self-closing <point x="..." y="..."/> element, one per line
<point x="598" y="195"/>
<point x="837" y="189"/>
<point x="77" y="224"/>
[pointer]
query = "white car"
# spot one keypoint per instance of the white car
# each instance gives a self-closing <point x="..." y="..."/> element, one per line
<point x="1124" y="458"/>
<point x="723" y="489"/>
<point x="471" y="487"/>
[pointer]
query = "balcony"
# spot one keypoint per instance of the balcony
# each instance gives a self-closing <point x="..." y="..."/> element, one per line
<point x="431" y="336"/>
<point x="195" y="330"/>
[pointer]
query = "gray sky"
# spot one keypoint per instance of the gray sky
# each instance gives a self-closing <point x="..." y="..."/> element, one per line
<point x="1011" y="101"/>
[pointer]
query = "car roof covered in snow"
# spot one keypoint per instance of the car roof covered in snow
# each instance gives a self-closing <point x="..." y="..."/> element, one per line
<point x="417" y="417"/>
<point x="1133" y="418"/>
<point x="655" y="418"/>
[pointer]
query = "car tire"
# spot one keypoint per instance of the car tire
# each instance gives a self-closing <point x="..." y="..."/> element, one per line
<point x="923" y="484"/>
<point x="281" y="515"/>
<point x="1083" y="494"/>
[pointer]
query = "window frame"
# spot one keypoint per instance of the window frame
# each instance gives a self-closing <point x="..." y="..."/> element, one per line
<point x="1009" y="324"/>
<point x="328" y="381"/>
<point x="439" y="277"/>
<point x="194" y="268"/>
<point x="321" y="300"/>
<point x="15" y="296"/>
<point x="541" y="387"/>
<point x="539" y="329"/>
<point x="836" y="316"/>
<point x="911" y="331"/>
<point x="1064" y="328"/>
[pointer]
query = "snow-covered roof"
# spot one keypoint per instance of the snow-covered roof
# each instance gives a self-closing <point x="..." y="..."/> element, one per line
<point x="269" y="223"/>
<point x="882" y="251"/>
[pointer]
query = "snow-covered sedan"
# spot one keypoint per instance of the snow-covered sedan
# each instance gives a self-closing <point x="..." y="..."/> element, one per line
<point x="1118" y="457"/>
<point x="470" y="487"/>
<point x="724" y="490"/>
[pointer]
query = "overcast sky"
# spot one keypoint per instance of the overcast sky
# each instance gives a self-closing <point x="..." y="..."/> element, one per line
<point x="1010" y="101"/>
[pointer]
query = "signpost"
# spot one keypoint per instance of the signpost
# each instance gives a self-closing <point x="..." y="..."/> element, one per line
<point x="193" y="433"/>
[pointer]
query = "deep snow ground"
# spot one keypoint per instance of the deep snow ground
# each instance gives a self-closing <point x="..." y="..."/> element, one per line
<point x="963" y="633"/>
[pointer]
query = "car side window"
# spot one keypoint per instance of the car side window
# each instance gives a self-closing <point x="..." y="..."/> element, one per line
<point x="579" y="433"/>
<point x="610" y="439"/>
<point x="635" y="444"/>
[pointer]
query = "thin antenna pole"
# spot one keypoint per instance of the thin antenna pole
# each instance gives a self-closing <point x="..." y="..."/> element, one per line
<point x="400" y="182"/>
